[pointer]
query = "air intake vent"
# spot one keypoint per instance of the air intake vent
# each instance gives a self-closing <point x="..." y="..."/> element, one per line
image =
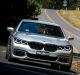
<point x="40" y="46"/>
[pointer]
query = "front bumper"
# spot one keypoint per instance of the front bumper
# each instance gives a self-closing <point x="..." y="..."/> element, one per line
<point x="25" y="52"/>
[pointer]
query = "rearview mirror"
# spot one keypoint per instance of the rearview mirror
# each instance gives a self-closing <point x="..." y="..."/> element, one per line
<point x="10" y="29"/>
<point x="70" y="38"/>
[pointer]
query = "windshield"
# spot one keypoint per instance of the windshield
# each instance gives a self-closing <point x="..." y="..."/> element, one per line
<point x="39" y="28"/>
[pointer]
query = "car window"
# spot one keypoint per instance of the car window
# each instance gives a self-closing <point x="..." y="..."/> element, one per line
<point x="39" y="28"/>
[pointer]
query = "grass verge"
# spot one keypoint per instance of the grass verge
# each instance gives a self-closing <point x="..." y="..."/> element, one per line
<point x="73" y="16"/>
<point x="76" y="66"/>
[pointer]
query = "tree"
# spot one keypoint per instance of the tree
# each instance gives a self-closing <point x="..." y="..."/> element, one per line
<point x="18" y="9"/>
<point x="12" y="11"/>
<point x="33" y="7"/>
<point x="45" y="3"/>
<point x="78" y="3"/>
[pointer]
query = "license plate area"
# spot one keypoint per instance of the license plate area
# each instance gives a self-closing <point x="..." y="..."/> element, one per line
<point x="42" y="53"/>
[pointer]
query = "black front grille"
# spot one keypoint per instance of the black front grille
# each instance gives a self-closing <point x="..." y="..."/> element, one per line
<point x="36" y="45"/>
<point x="40" y="46"/>
<point x="41" y="57"/>
<point x="49" y="47"/>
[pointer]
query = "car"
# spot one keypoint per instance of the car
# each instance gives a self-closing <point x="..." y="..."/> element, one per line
<point x="40" y="41"/>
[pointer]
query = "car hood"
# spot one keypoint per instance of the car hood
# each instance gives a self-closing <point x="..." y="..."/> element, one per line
<point x="41" y="38"/>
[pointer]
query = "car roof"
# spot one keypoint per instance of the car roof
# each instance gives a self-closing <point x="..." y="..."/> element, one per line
<point x="38" y="21"/>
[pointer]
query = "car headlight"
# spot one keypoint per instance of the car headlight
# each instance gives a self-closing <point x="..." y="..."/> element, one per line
<point x="67" y="48"/>
<point x="20" y="41"/>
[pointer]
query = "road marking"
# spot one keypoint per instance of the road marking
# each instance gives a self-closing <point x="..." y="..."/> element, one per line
<point x="48" y="16"/>
<point x="74" y="49"/>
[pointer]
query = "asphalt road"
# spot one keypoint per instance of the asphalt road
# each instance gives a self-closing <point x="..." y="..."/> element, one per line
<point x="34" y="68"/>
<point x="53" y="16"/>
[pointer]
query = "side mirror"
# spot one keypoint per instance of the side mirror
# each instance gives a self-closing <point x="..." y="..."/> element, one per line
<point x="70" y="38"/>
<point x="10" y="29"/>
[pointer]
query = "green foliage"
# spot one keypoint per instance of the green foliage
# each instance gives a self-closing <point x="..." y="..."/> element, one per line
<point x="17" y="10"/>
<point x="78" y="3"/>
<point x="38" y="9"/>
<point x="51" y="3"/>
<point x="34" y="8"/>
<point x="12" y="11"/>
<point x="58" y="4"/>
<point x="45" y="3"/>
